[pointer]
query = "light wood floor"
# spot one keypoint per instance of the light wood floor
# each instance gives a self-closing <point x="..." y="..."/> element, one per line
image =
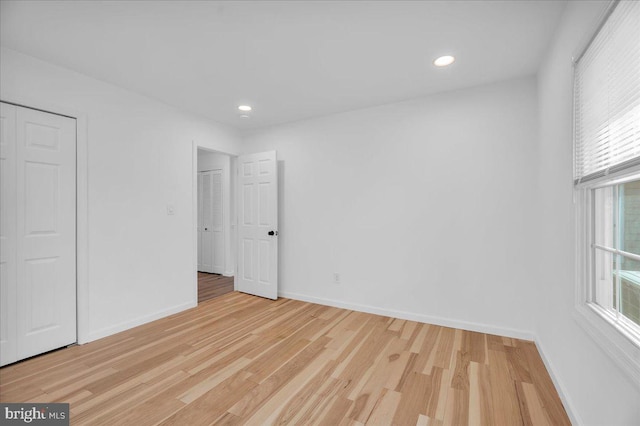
<point x="239" y="359"/>
<point x="213" y="285"/>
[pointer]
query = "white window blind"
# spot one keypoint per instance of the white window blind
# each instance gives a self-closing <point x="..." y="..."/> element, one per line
<point x="607" y="97"/>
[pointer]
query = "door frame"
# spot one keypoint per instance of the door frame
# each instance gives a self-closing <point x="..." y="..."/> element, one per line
<point x="207" y="146"/>
<point x="82" y="217"/>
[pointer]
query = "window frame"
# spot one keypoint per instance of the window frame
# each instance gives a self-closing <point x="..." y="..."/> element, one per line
<point x="621" y="343"/>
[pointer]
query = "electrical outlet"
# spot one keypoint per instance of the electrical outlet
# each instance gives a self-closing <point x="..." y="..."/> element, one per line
<point x="171" y="209"/>
<point x="336" y="278"/>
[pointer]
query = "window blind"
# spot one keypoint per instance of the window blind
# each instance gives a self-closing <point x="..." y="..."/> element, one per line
<point x="607" y="97"/>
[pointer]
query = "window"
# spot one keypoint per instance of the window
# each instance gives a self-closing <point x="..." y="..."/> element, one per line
<point x="616" y="254"/>
<point x="607" y="185"/>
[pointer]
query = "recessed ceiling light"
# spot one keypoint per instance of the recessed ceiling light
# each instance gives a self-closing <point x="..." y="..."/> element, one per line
<point x="244" y="108"/>
<point x="443" y="61"/>
<point x="244" y="115"/>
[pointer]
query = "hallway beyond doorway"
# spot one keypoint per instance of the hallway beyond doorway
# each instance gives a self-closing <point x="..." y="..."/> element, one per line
<point x="213" y="285"/>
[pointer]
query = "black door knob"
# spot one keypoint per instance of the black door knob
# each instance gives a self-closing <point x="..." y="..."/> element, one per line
<point x="273" y="232"/>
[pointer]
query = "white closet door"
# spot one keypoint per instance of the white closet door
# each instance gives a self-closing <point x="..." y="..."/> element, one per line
<point x="44" y="248"/>
<point x="217" y="225"/>
<point x="210" y="222"/>
<point x="206" y="232"/>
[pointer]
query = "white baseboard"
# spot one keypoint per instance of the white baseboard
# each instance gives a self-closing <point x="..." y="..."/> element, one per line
<point x="228" y="273"/>
<point x="564" y="396"/>
<point x="126" y="325"/>
<point x="445" y="322"/>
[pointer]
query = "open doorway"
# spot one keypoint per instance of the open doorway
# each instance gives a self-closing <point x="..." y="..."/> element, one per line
<point x="215" y="236"/>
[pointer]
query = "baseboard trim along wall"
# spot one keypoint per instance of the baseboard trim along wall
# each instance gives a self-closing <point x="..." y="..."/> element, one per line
<point x="126" y="325"/>
<point x="564" y="396"/>
<point x="445" y="322"/>
<point x="427" y="319"/>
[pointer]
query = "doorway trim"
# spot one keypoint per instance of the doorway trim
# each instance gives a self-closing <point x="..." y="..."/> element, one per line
<point x="195" y="145"/>
<point x="82" y="198"/>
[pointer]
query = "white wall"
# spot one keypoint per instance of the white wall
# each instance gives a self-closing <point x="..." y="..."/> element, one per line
<point x="140" y="158"/>
<point x="423" y="207"/>
<point x="596" y="390"/>
<point x="208" y="160"/>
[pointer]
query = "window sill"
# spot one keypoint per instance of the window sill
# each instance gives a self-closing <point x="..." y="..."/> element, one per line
<point x="614" y="341"/>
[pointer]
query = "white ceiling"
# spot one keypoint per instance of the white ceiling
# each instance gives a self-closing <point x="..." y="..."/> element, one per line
<point x="290" y="60"/>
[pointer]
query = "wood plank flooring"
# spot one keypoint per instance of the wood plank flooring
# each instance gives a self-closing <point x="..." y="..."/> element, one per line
<point x="239" y="359"/>
<point x="213" y="285"/>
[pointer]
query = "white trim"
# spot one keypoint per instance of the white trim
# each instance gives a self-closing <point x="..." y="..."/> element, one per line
<point x="82" y="201"/>
<point x="627" y="175"/>
<point x="412" y="316"/>
<point x="194" y="220"/>
<point x="82" y="227"/>
<point x="562" y="392"/>
<point x="610" y="339"/>
<point x="126" y="325"/>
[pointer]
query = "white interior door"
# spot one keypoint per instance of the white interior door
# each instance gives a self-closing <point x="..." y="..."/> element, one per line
<point x="258" y="224"/>
<point x="38" y="232"/>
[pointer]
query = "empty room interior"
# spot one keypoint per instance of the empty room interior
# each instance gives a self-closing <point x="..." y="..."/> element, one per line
<point x="320" y="212"/>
